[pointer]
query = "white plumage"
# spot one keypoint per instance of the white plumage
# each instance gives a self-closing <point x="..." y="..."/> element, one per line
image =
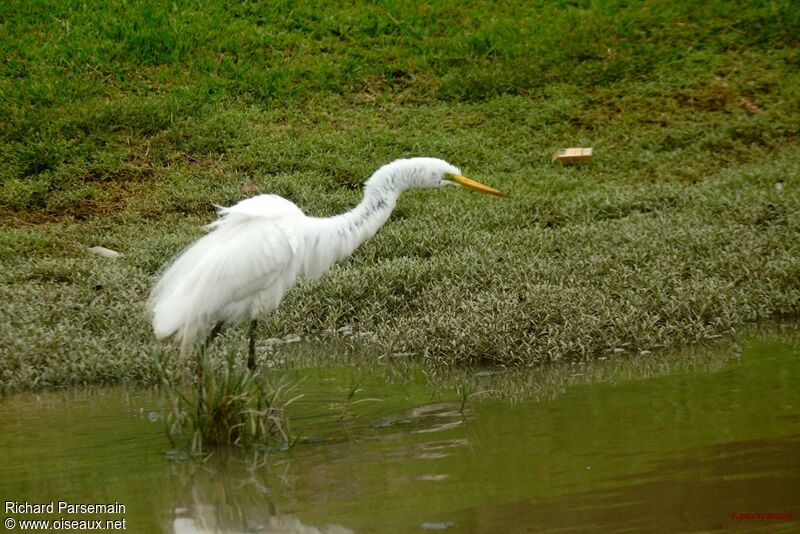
<point x="256" y="249"/>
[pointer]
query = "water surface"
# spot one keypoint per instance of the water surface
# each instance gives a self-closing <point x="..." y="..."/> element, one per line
<point x="651" y="445"/>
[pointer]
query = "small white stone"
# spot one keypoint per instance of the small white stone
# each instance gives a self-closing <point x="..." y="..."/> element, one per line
<point x="105" y="252"/>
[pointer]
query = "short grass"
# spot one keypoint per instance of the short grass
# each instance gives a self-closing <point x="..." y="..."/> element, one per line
<point x="122" y="123"/>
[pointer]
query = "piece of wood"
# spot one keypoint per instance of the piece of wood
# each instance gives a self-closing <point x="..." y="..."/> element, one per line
<point x="571" y="156"/>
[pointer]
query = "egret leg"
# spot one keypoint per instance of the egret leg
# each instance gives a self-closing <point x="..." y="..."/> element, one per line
<point x="215" y="331"/>
<point x="251" y="355"/>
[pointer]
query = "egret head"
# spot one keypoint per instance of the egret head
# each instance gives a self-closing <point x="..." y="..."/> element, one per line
<point x="427" y="173"/>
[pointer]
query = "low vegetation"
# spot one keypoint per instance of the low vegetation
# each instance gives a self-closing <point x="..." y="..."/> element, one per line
<point x="123" y="123"/>
<point x="227" y="405"/>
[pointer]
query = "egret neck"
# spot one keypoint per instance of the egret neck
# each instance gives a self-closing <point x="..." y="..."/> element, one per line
<point x="340" y="235"/>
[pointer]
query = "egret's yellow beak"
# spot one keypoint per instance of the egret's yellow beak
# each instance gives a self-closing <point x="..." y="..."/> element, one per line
<point x="477" y="186"/>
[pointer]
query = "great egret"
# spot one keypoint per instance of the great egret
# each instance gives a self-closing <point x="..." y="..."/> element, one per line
<point x="257" y="248"/>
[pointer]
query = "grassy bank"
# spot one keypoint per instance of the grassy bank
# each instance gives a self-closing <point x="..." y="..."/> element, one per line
<point x="123" y="123"/>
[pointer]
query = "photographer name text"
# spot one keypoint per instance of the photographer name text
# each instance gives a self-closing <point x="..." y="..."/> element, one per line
<point x="64" y="507"/>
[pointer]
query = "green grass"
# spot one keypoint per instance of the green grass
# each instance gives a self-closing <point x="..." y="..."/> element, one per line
<point x="227" y="405"/>
<point x="121" y="124"/>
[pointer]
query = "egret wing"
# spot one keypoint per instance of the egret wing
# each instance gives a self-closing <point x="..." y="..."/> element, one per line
<point x="244" y="265"/>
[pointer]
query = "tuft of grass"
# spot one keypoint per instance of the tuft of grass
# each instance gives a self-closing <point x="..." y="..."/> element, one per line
<point x="350" y="401"/>
<point x="228" y="405"/>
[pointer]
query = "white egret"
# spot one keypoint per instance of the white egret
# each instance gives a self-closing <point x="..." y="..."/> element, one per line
<point x="257" y="248"/>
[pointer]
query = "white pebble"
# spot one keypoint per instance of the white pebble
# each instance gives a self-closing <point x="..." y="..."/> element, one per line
<point x="105" y="252"/>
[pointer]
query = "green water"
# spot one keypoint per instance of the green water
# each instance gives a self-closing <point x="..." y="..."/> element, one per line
<point x="647" y="445"/>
